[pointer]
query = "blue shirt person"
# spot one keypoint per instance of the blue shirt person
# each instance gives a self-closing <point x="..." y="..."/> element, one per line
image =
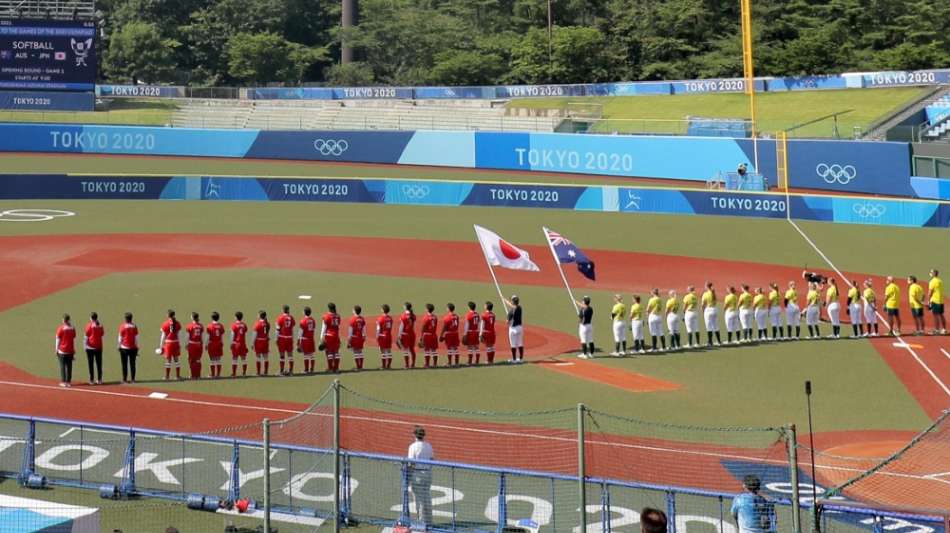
<point x="752" y="511"/>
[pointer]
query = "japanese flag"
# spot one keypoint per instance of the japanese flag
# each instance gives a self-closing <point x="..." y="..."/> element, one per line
<point x="499" y="252"/>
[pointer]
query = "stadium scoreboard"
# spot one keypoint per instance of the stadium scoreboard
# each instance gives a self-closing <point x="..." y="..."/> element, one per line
<point x="47" y="54"/>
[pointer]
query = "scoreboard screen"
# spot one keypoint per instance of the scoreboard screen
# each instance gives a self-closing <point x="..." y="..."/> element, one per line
<point x="47" y="54"/>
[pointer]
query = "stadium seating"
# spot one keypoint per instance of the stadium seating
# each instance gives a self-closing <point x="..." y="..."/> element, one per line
<point x="351" y="115"/>
<point x="938" y="127"/>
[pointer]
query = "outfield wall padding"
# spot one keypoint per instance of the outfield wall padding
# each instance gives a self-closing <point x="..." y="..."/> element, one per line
<point x="851" y="210"/>
<point x="839" y="166"/>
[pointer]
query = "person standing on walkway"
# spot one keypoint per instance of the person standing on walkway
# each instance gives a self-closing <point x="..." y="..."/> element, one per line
<point x="128" y="348"/>
<point x="420" y="476"/>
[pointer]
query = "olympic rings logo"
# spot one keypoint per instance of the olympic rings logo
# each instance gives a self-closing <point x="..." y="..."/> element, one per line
<point x="869" y="210"/>
<point x="33" y="215"/>
<point x="836" y="173"/>
<point x="415" y="192"/>
<point x="332" y="147"/>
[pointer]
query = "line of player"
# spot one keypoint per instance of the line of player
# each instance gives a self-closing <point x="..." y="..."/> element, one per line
<point x="471" y="331"/>
<point x="746" y="310"/>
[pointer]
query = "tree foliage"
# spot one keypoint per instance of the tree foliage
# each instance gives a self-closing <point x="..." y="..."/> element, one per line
<point x="476" y="42"/>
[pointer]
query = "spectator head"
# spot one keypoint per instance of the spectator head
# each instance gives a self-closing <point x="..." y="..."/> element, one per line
<point x="419" y="432"/>
<point x="752" y="483"/>
<point x="652" y="520"/>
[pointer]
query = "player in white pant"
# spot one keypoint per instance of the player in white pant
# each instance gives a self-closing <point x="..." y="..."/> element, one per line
<point x="619" y="314"/>
<point x="585" y="327"/>
<point x="775" y="312"/>
<point x="673" y="320"/>
<point x="854" y="309"/>
<point x="812" y="311"/>
<point x="711" y="314"/>
<point x="761" y="314"/>
<point x="745" y="313"/>
<point x="870" y="309"/>
<point x="691" y="317"/>
<point x="655" y="320"/>
<point x="793" y="316"/>
<point x="833" y="308"/>
<point x="636" y="325"/>
<point x="731" y="313"/>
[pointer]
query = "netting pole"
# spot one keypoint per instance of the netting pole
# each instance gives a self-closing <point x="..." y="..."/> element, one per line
<point x="234" y="492"/>
<point x="671" y="511"/>
<point x="266" y="424"/>
<point x="336" y="455"/>
<point x="581" y="467"/>
<point x="793" y="476"/>
<point x="28" y="465"/>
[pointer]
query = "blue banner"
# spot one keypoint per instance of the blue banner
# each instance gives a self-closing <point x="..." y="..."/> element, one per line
<point x="372" y="93"/>
<point x="41" y="186"/>
<point x="496" y="194"/>
<point x="140" y="91"/>
<point x="291" y="93"/>
<point x="805" y="83"/>
<point x="47" y="54"/>
<point x="350" y="146"/>
<point x="453" y="93"/>
<point x="867" y="167"/>
<point x="47" y="101"/>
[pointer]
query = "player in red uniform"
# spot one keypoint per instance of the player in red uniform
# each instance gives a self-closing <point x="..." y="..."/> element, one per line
<point x="262" y="342"/>
<point x="406" y="340"/>
<point x="429" y="339"/>
<point x="486" y="332"/>
<point x="169" y="346"/>
<point x="470" y="333"/>
<point x="196" y="332"/>
<point x="450" y="334"/>
<point x="238" y="344"/>
<point x="94" y="332"/>
<point x="384" y="337"/>
<point x="128" y="348"/>
<point x="305" y="342"/>
<point x="285" y="340"/>
<point x="215" y="331"/>
<point x="357" y="336"/>
<point x="330" y="337"/>
<point x="65" y="350"/>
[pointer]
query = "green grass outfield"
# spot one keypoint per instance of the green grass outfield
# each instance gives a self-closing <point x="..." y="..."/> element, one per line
<point x="801" y="112"/>
<point x="736" y="386"/>
<point x="130" y="112"/>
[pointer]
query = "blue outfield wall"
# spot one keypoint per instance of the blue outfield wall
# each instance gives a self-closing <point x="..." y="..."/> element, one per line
<point x="851" y="210"/>
<point x="838" y="166"/>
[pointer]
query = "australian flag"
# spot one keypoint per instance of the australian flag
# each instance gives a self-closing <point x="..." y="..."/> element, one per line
<point x="567" y="252"/>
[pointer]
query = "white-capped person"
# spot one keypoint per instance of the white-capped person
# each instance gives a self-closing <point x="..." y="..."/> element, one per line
<point x="420" y="475"/>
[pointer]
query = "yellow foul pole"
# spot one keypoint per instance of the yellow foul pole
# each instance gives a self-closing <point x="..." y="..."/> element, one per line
<point x="749" y="71"/>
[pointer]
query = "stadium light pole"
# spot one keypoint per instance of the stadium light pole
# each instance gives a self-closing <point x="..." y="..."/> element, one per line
<point x="749" y="71"/>
<point x="550" y="42"/>
<point x="348" y="16"/>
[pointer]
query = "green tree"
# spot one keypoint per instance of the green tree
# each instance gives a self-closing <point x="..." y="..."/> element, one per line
<point x="467" y="67"/>
<point x="577" y="56"/>
<point x="137" y="52"/>
<point x="355" y="74"/>
<point x="266" y="57"/>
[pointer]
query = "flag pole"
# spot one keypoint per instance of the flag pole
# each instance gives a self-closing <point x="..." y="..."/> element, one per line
<point x="560" y="269"/>
<point x="492" y="271"/>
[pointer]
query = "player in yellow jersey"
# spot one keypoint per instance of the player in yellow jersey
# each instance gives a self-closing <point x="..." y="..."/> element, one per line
<point x="793" y="317"/>
<point x="935" y="297"/>
<point x="691" y="317"/>
<point x="711" y="314"/>
<point x="775" y="312"/>
<point x="636" y="325"/>
<point x="870" y="309"/>
<point x="729" y="306"/>
<point x="812" y="311"/>
<point x="915" y="297"/>
<point x="761" y="314"/>
<point x="892" y="305"/>
<point x="673" y="320"/>
<point x="619" y="314"/>
<point x="655" y="320"/>
<point x="745" y="313"/>
<point x="833" y="308"/>
<point x="854" y="309"/>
